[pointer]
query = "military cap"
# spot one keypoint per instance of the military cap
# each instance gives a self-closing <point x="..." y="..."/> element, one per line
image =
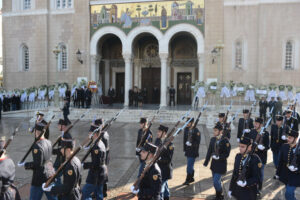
<point x="151" y="148"/>
<point x="189" y="119"/>
<point x="293" y="133"/>
<point x="245" y="111"/>
<point x="218" y="126"/>
<point x="63" y="122"/>
<point x="259" y="120"/>
<point x="245" y="140"/>
<point x="288" y="111"/>
<point x="67" y="141"/>
<point x="40" y="113"/>
<point x="143" y="120"/>
<point x="279" y="117"/>
<point x="221" y="114"/>
<point x="163" y="128"/>
<point x="98" y="122"/>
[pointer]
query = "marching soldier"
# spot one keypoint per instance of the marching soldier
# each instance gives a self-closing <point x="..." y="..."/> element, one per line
<point x="218" y="150"/>
<point x="290" y="121"/>
<point x="286" y="172"/>
<point x="62" y="126"/>
<point x="247" y="189"/>
<point x="150" y="185"/>
<point x="295" y="113"/>
<point x="97" y="175"/>
<point x="191" y="143"/>
<point x="70" y="188"/>
<point x="7" y="175"/>
<point x="41" y="165"/>
<point x="244" y="123"/>
<point x="165" y="162"/>
<point x="40" y="119"/>
<point x="272" y="104"/>
<point x="141" y="140"/>
<point x="263" y="105"/>
<point x="262" y="147"/>
<point x="66" y="110"/>
<point x="226" y="126"/>
<point x="277" y="139"/>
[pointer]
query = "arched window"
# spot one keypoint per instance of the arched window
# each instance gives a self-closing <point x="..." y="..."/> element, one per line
<point x="27" y="4"/>
<point x="289" y="55"/>
<point x="61" y="4"/>
<point x="63" y="57"/>
<point x="238" y="61"/>
<point x="24" y="57"/>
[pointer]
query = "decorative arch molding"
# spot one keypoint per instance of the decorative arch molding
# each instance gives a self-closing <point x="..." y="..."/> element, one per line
<point x="104" y="31"/>
<point x="139" y="30"/>
<point x="188" y="28"/>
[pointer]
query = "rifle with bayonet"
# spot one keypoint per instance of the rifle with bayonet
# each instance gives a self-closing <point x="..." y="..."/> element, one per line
<point x="7" y="143"/>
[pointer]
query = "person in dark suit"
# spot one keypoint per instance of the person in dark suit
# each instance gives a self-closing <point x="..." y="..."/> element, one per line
<point x="111" y="94"/>
<point x="88" y="98"/>
<point x="66" y="110"/>
<point x="0" y="107"/>
<point x="68" y="94"/>
<point x="172" y="95"/>
<point x="82" y="96"/>
<point x="263" y="105"/>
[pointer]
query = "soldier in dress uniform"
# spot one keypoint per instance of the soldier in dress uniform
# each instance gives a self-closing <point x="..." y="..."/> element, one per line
<point x="140" y="143"/>
<point x="219" y="150"/>
<point x="40" y="119"/>
<point x="105" y="139"/>
<point x="66" y="110"/>
<point x="295" y="114"/>
<point x="277" y="138"/>
<point x="263" y="105"/>
<point x="262" y="147"/>
<point x="165" y="161"/>
<point x="244" y="123"/>
<point x="97" y="175"/>
<point x="7" y="175"/>
<point x="191" y="143"/>
<point x="247" y="189"/>
<point x="172" y="92"/>
<point x="70" y="188"/>
<point x="272" y="104"/>
<point x="226" y="126"/>
<point x="286" y="172"/>
<point x="41" y="165"/>
<point x="290" y="121"/>
<point x="150" y="185"/>
<point x="62" y="126"/>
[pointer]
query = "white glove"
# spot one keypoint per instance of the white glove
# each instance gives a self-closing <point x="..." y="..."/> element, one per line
<point x="261" y="147"/>
<point x="246" y="130"/>
<point x="62" y="133"/>
<point x="283" y="137"/>
<point x="241" y="183"/>
<point x="215" y="157"/>
<point x="292" y="168"/>
<point x="21" y="164"/>
<point x="30" y="129"/>
<point x="229" y="194"/>
<point x="276" y="177"/>
<point x="238" y="140"/>
<point x="47" y="189"/>
<point x="188" y="143"/>
<point x="86" y="147"/>
<point x="137" y="149"/>
<point x="133" y="190"/>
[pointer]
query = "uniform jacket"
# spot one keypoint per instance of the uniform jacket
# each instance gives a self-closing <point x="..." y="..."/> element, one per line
<point x="191" y="151"/>
<point x="243" y="124"/>
<point x="276" y="141"/>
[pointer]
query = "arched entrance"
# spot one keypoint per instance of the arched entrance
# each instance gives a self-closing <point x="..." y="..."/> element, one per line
<point x="146" y="67"/>
<point x="111" y="67"/>
<point x="183" y="65"/>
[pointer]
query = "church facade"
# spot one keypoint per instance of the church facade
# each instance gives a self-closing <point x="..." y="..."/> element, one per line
<point x="149" y="44"/>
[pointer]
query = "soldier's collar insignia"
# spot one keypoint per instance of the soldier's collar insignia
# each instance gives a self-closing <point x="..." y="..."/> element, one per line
<point x="227" y="144"/>
<point x="70" y="172"/>
<point x="259" y="165"/>
<point x="198" y="133"/>
<point x="171" y="147"/>
<point x="155" y="177"/>
<point x="35" y="151"/>
<point x="96" y="151"/>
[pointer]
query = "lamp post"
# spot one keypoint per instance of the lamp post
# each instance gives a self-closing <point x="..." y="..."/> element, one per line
<point x="216" y="55"/>
<point x="79" y="56"/>
<point x="56" y="52"/>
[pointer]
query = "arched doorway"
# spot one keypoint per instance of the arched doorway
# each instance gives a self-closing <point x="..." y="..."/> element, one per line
<point x="146" y="67"/>
<point x="111" y="66"/>
<point x="183" y="65"/>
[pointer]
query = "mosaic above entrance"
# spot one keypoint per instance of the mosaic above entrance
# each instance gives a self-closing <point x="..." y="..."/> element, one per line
<point x="162" y="15"/>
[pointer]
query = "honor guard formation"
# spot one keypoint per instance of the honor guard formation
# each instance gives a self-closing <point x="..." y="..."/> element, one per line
<point x="62" y="179"/>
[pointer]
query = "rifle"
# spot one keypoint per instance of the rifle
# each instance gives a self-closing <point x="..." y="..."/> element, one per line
<point x="227" y="113"/>
<point x="189" y="139"/>
<point x="249" y="116"/>
<point x="62" y="166"/>
<point x="9" y="140"/>
<point x="157" y="154"/>
<point x="178" y="122"/>
<point x="37" y="139"/>
<point x="105" y="128"/>
<point x="69" y="128"/>
<point x="143" y="139"/>
<point x="242" y="175"/>
<point x="294" y="109"/>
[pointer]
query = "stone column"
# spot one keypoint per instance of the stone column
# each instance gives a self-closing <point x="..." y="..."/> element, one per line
<point x="107" y="76"/>
<point x="98" y="60"/>
<point x="93" y="67"/>
<point x="136" y="72"/>
<point x="163" y="79"/>
<point x="201" y="67"/>
<point x="128" y="77"/>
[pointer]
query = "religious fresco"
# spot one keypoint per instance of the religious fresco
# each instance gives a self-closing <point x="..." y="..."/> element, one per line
<point x="160" y="14"/>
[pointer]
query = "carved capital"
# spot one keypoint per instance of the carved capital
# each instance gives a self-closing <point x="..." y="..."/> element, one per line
<point x="163" y="57"/>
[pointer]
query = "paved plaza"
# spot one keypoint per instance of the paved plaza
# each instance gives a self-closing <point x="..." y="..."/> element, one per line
<point x="123" y="165"/>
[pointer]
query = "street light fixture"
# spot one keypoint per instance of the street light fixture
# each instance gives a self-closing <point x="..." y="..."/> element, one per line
<point x="79" y="56"/>
<point x="56" y="51"/>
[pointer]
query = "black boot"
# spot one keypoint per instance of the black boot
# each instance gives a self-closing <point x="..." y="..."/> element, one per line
<point x="166" y="198"/>
<point x="192" y="177"/>
<point x="219" y="196"/>
<point x="187" y="180"/>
